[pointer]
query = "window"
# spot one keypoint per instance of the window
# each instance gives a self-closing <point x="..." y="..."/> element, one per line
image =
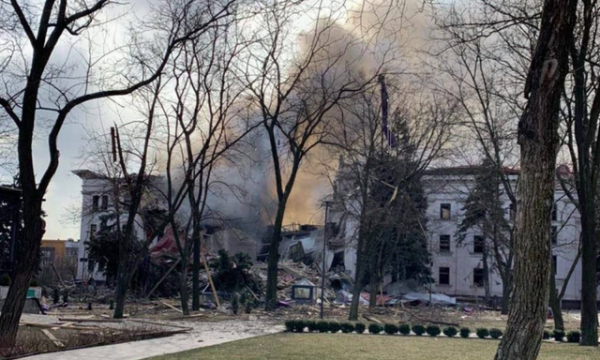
<point x="445" y="211"/>
<point x="478" y="244"/>
<point x="554" y="213"/>
<point x="47" y="256"/>
<point x="444" y="243"/>
<point x="104" y="202"/>
<point x="444" y="276"/>
<point x="554" y="235"/>
<point x="554" y="262"/>
<point x="72" y="252"/>
<point x="95" y="200"/>
<point x="93" y="229"/>
<point x="478" y="278"/>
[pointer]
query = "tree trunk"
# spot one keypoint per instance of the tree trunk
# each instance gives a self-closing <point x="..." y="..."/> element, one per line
<point x="183" y="288"/>
<point x="506" y="287"/>
<point x="373" y="287"/>
<point x="27" y="253"/>
<point x="539" y="140"/>
<point x="555" y="302"/>
<point x="273" y="259"/>
<point x="486" y="276"/>
<point x="196" y="268"/>
<point x="589" y="310"/>
<point x="120" y="293"/>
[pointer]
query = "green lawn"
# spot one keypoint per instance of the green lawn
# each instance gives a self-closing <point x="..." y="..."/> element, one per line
<point x="366" y="347"/>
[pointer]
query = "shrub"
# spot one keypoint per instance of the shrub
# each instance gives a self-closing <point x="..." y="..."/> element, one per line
<point x="482" y="333"/>
<point x="465" y="332"/>
<point x="322" y="326"/>
<point x="375" y="328"/>
<point x="5" y="280"/>
<point x="390" y="329"/>
<point x="312" y="326"/>
<point x="433" y="330"/>
<point x="290" y="325"/>
<point x="418" y="329"/>
<point x="334" y="327"/>
<point x="450" y="331"/>
<point x="547" y="335"/>
<point x="404" y="329"/>
<point x="235" y="304"/>
<point x="359" y="328"/>
<point x="347" y="328"/>
<point x="559" y="335"/>
<point x="495" y="333"/>
<point x="300" y="325"/>
<point x="574" y="336"/>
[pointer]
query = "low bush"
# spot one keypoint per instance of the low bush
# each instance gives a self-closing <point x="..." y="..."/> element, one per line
<point x="375" y="328"/>
<point x="450" y="331"/>
<point x="390" y="329"/>
<point x="322" y="326"/>
<point x="465" y="332"/>
<point x="312" y="326"/>
<point x="290" y="325"/>
<point x="495" y="333"/>
<point x="347" y="328"/>
<point x="547" y="335"/>
<point x="334" y="327"/>
<point x="433" y="330"/>
<point x="359" y="328"/>
<point x="559" y="335"/>
<point x="482" y="333"/>
<point x="404" y="329"/>
<point x="574" y="336"/>
<point x="418" y="329"/>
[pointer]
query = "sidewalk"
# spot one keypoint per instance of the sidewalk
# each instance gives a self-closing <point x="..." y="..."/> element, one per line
<point x="204" y="334"/>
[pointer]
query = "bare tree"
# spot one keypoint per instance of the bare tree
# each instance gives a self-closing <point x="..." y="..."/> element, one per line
<point x="539" y="140"/>
<point x="34" y="93"/>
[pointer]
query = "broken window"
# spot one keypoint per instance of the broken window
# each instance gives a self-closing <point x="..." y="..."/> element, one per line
<point x="444" y="243"/>
<point x="445" y="211"/>
<point x="95" y="200"/>
<point x="554" y="235"/>
<point x="444" y="276"/>
<point x="478" y="244"/>
<point x="478" y="277"/>
<point x="104" y="202"/>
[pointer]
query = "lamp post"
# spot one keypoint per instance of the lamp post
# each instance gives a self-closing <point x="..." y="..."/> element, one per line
<point x="325" y="237"/>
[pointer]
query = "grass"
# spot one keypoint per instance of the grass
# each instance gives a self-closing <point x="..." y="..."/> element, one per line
<point x="368" y="347"/>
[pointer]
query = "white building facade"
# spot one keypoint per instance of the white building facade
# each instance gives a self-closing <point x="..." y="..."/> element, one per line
<point x="457" y="266"/>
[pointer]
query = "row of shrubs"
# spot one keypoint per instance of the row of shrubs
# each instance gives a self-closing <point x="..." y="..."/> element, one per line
<point x="405" y="329"/>
<point x="559" y="335"/>
<point x="390" y="329"/>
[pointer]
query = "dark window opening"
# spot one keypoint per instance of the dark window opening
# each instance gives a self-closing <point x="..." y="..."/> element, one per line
<point x="445" y="211"/>
<point x="554" y="262"/>
<point x="554" y="235"/>
<point x="444" y="243"/>
<point x="478" y="278"/>
<point x="93" y="229"/>
<point x="444" y="276"/>
<point x="512" y="212"/>
<point x="95" y="201"/>
<point x="478" y="244"/>
<point x="554" y="213"/>
<point x="104" y="202"/>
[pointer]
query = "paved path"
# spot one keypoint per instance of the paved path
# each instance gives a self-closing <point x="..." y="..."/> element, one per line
<point x="204" y="334"/>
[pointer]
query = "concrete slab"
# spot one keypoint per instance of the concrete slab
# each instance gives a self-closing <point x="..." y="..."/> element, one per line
<point x="203" y="334"/>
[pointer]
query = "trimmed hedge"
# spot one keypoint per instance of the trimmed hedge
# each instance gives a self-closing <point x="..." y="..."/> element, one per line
<point x="359" y="328"/>
<point x="404" y="329"/>
<point x="375" y="328"/>
<point x="450" y="331"/>
<point x="547" y="335"/>
<point x="574" y="336"/>
<point x="334" y="327"/>
<point x="465" y="332"/>
<point x="312" y="326"/>
<point x="559" y="335"/>
<point x="495" y="333"/>
<point x="322" y="326"/>
<point x="347" y="328"/>
<point x="418" y="329"/>
<point x="390" y="329"/>
<point x="433" y="330"/>
<point x="295" y="325"/>
<point x="482" y="333"/>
